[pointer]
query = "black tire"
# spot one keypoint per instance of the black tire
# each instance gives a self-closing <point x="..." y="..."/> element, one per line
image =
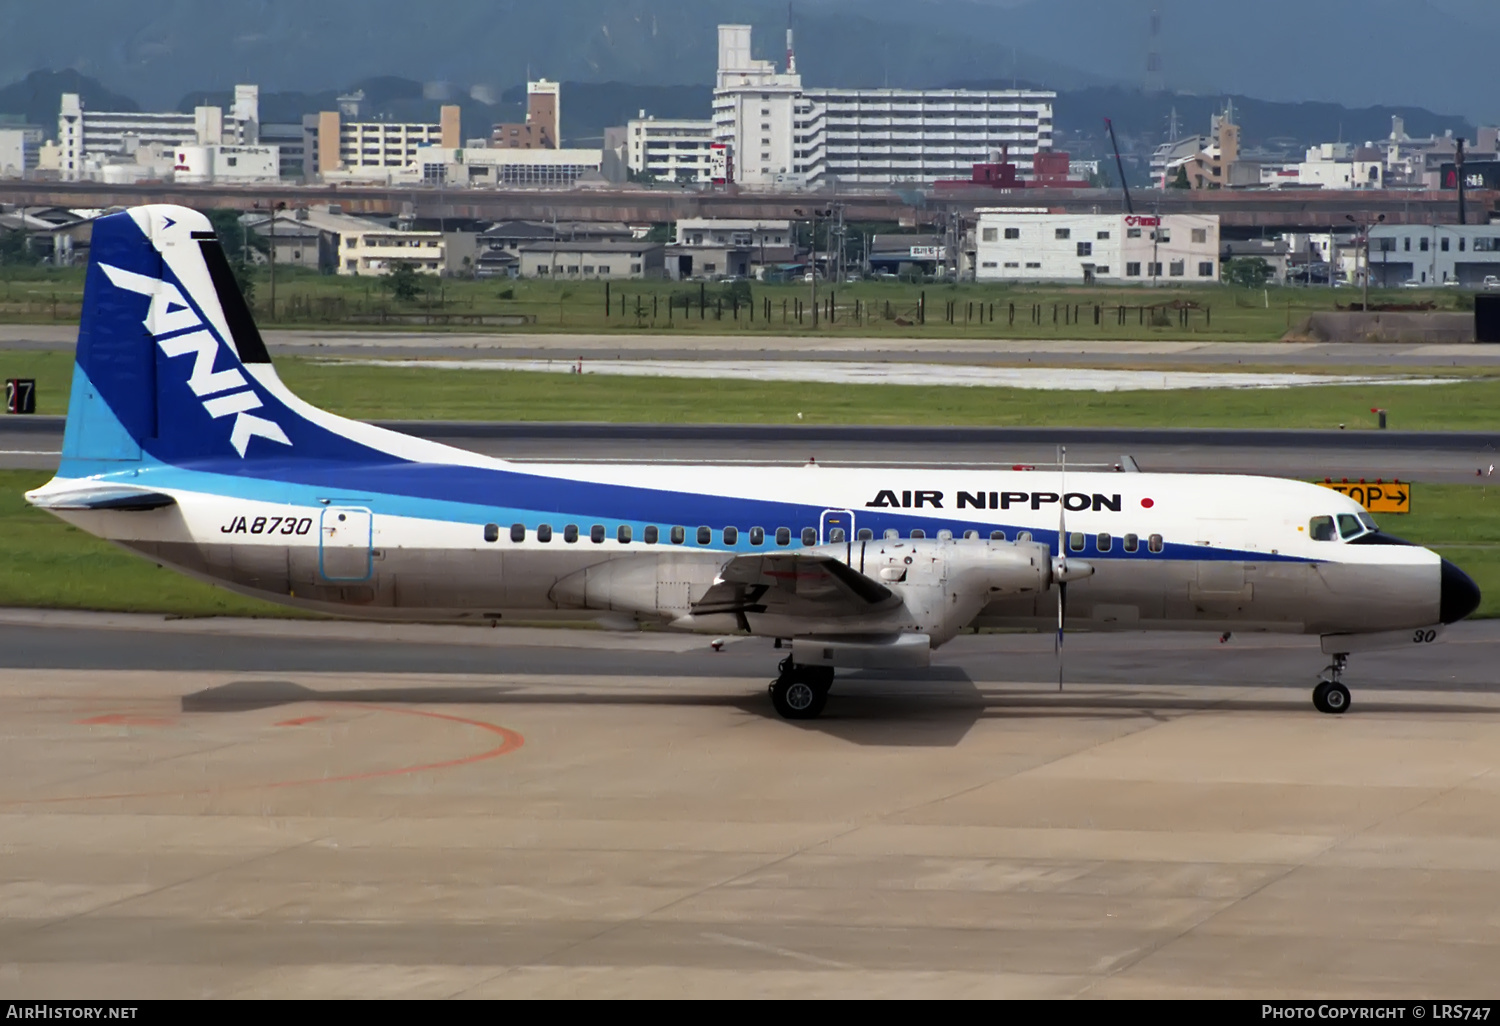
<point x="1332" y="698"/>
<point x="797" y="696"/>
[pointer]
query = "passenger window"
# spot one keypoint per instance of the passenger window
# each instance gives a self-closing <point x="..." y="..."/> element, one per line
<point x="865" y="534"/>
<point x="491" y="532"/>
<point x="783" y="536"/>
<point x="705" y="535"/>
<point x="971" y="535"/>
<point x="731" y="535"/>
<point x="891" y="534"/>
<point x="1349" y="525"/>
<point x="835" y="534"/>
<point x="517" y="532"/>
<point x="622" y="534"/>
<point x="1105" y="542"/>
<point x="919" y="533"/>
<point x="596" y="534"/>
<point x="757" y="536"/>
<point x="1024" y="536"/>
<point x="1075" y="541"/>
<point x="1320" y="528"/>
<point x="1132" y="542"/>
<point x="543" y="532"/>
<point x="570" y="533"/>
<point x="650" y="535"/>
<point x="809" y="536"/>
<point x="997" y="536"/>
<point x="1154" y="543"/>
<point x="945" y="535"/>
<point x="679" y="535"/>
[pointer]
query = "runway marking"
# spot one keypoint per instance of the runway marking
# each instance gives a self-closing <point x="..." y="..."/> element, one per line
<point x="740" y="942"/>
<point x="512" y="741"/>
<point x="127" y="720"/>
<point x="30" y="452"/>
<point x="301" y="721"/>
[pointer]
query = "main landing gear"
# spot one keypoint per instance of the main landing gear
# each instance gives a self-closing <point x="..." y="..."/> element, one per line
<point x="800" y="692"/>
<point x="1330" y="696"/>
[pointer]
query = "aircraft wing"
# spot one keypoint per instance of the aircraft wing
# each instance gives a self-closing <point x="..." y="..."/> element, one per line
<point x="791" y="583"/>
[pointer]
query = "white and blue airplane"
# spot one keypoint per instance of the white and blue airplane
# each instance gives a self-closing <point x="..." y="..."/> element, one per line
<point x="183" y="445"/>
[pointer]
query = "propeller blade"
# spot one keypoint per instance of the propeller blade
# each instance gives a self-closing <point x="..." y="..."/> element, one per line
<point x="1062" y="557"/>
<point x="1057" y="648"/>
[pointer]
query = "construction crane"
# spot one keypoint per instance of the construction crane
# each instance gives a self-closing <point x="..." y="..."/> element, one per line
<point x="1119" y="165"/>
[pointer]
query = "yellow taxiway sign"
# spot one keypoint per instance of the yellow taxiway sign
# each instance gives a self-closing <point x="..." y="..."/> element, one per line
<point x="1394" y="497"/>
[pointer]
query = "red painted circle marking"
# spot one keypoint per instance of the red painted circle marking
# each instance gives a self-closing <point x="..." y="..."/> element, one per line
<point x="1147" y="503"/>
<point x="510" y="742"/>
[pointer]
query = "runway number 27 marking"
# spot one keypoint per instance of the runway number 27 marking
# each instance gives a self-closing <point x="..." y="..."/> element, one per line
<point x="267" y="525"/>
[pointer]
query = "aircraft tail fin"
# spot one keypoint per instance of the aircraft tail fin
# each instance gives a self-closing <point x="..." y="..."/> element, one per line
<point x="170" y="367"/>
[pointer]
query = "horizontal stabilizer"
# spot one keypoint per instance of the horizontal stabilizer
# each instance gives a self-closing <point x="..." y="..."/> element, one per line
<point x="111" y="497"/>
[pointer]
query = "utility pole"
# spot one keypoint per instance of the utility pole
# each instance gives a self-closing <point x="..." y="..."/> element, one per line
<point x="1364" y="231"/>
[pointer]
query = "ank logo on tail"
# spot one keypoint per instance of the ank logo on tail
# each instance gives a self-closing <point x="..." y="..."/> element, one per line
<point x="178" y="331"/>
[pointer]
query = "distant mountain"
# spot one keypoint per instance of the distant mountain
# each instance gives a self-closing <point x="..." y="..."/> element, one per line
<point x="1436" y="54"/>
<point x="36" y="97"/>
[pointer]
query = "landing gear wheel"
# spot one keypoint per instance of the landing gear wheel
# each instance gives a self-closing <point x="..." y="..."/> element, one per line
<point x="800" y="695"/>
<point x="1331" y="697"/>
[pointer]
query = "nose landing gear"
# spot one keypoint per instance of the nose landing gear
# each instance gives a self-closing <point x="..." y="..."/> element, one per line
<point x="1330" y="696"/>
<point x="801" y="692"/>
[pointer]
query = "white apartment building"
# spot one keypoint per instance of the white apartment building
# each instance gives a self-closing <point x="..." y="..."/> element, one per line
<point x="1030" y="244"/>
<point x="89" y="138"/>
<point x="671" y="149"/>
<point x="782" y="134"/>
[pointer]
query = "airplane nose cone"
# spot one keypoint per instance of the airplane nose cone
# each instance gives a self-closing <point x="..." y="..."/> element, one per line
<point x="1459" y="594"/>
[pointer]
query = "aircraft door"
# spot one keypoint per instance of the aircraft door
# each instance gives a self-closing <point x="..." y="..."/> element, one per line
<point x="345" y="543"/>
<point x="836" y="526"/>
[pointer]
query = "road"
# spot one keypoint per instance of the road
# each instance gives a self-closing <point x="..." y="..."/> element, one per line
<point x="1435" y="457"/>
<point x="233" y="809"/>
<point x="1081" y="353"/>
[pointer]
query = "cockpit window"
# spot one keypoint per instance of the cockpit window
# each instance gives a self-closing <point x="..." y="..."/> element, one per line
<point x="1349" y="525"/>
<point x="1321" y="529"/>
<point x="1368" y="521"/>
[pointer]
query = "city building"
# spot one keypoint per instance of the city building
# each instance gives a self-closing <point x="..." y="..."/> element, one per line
<point x="296" y="241"/>
<point x="226" y="165"/>
<point x="89" y="139"/>
<point x="893" y="254"/>
<point x="505" y="167"/>
<point x="1212" y="166"/>
<point x="542" y="129"/>
<point x="1031" y="244"/>
<point x="291" y="146"/>
<point x="708" y="247"/>
<point x="670" y="149"/>
<point x="373" y="151"/>
<point x="590" y="259"/>
<point x="780" y="133"/>
<point x="356" y="246"/>
<point x="1434" y="254"/>
<point x="18" y="152"/>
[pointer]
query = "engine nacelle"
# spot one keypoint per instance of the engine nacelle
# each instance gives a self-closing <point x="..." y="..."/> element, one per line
<point x="944" y="583"/>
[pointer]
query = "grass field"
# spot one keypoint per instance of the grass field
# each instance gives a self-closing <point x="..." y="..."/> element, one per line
<point x="51" y="565"/>
<point x="377" y="393"/>
<point x="867" y="308"/>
